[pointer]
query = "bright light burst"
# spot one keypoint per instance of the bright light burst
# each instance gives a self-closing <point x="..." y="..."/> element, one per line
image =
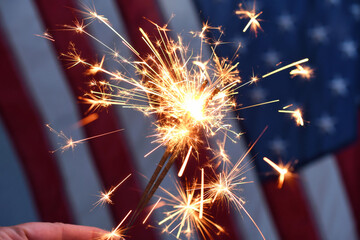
<point x="253" y="18"/>
<point x="296" y="114"/>
<point x="188" y="94"/>
<point x="184" y="218"/>
<point x="118" y="232"/>
<point x="225" y="186"/>
<point x="191" y="97"/>
<point x="282" y="170"/>
<point x="303" y="71"/>
<point x="105" y="197"/>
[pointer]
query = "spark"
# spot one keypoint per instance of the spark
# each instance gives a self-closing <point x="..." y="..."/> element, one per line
<point x="184" y="216"/>
<point x="252" y="15"/>
<point x="95" y="67"/>
<point x="225" y="186"/>
<point x="304" y="71"/>
<point x="73" y="56"/>
<point x="283" y="171"/>
<point x="152" y="209"/>
<point x="184" y="163"/>
<point x="106" y="196"/>
<point x="286" y="67"/>
<point x="296" y="114"/>
<point x="222" y="153"/>
<point x="70" y="143"/>
<point x="86" y="120"/>
<point x="118" y="232"/>
<point x="259" y="104"/>
<point x="287" y="106"/>
<point x="202" y="195"/>
<point x="46" y="35"/>
<point x="254" y="79"/>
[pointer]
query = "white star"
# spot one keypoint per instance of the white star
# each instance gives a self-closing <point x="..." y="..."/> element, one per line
<point x="286" y="22"/>
<point x="338" y="86"/>
<point x="349" y="48"/>
<point x="319" y="34"/>
<point x="258" y="94"/>
<point x="278" y="146"/>
<point x="334" y="2"/>
<point x="326" y="124"/>
<point x="355" y="11"/>
<point x="271" y="57"/>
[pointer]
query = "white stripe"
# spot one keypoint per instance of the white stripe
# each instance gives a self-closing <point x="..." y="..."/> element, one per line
<point x="323" y="185"/>
<point x="47" y="86"/>
<point x="187" y="19"/>
<point x="137" y="127"/>
<point x="16" y="203"/>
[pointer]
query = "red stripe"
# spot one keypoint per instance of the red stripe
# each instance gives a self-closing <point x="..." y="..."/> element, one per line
<point x="134" y="13"/>
<point x="349" y="166"/>
<point x="26" y="130"/>
<point x="290" y="210"/>
<point x="111" y="153"/>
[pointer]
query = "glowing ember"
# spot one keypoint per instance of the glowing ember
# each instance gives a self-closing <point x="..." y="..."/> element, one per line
<point x="283" y="171"/>
<point x="303" y="71"/>
<point x="252" y="15"/>
<point x="106" y="196"/>
<point x="118" y="232"/>
<point x="296" y="114"/>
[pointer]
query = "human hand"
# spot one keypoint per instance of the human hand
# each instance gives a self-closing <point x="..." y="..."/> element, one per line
<point x="50" y="231"/>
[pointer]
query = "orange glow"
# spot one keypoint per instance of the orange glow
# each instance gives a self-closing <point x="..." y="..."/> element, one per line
<point x="303" y="71"/>
<point x="253" y="18"/>
<point x="296" y="114"/>
<point x="283" y="171"/>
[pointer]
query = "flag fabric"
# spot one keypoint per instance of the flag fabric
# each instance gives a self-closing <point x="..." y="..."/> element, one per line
<point x="320" y="201"/>
<point x="328" y="101"/>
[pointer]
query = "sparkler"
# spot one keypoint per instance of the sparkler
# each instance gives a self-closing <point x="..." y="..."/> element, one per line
<point x="189" y="96"/>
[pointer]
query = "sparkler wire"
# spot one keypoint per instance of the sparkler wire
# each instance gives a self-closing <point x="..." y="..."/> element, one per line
<point x="154" y="182"/>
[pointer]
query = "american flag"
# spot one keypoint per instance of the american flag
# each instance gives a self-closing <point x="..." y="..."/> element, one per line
<point x="320" y="202"/>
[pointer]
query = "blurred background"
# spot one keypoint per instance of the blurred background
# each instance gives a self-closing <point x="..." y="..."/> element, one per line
<point x="319" y="201"/>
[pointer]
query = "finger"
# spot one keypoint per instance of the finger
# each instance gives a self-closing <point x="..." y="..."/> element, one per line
<point x="60" y="231"/>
